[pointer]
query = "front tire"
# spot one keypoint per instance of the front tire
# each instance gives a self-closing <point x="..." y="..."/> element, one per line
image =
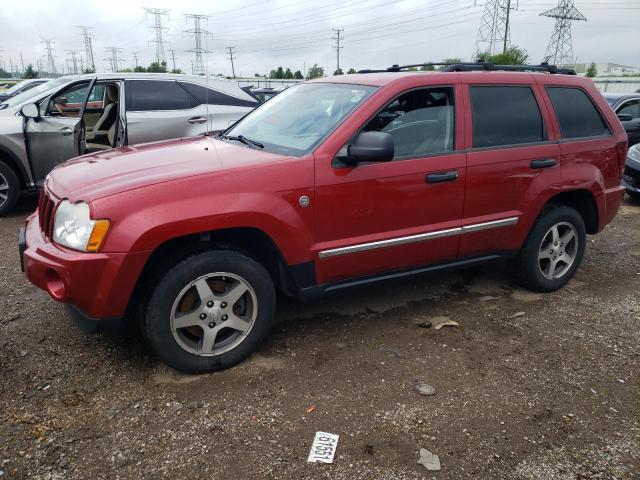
<point x="9" y="189"/>
<point x="553" y="250"/>
<point x="210" y="311"/>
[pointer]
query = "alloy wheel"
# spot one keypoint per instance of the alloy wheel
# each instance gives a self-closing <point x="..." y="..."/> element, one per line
<point x="558" y="250"/>
<point x="4" y="190"/>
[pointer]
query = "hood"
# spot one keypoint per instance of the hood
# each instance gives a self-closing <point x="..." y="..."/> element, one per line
<point x="106" y="173"/>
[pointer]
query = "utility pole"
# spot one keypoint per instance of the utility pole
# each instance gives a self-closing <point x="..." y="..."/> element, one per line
<point x="198" y="33"/>
<point x="88" y="47"/>
<point x="74" y="59"/>
<point x="51" y="64"/>
<point x="21" y="61"/>
<point x="135" y="59"/>
<point x="337" y="46"/>
<point x="11" y="66"/>
<point x="494" y="27"/>
<point x="113" y="60"/>
<point x="173" y="58"/>
<point x="560" y="48"/>
<point x="157" y="27"/>
<point x="232" y="58"/>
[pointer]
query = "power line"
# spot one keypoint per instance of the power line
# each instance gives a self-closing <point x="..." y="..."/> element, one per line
<point x="158" y="13"/>
<point x="232" y="58"/>
<point x="337" y="46"/>
<point x="198" y="33"/>
<point x="560" y="48"/>
<point x="88" y="46"/>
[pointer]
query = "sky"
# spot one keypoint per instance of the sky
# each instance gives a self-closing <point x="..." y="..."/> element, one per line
<point x="298" y="33"/>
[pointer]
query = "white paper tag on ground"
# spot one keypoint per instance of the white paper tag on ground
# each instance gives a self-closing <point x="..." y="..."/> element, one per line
<point x="323" y="448"/>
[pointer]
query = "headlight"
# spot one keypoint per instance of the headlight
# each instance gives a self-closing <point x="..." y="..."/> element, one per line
<point x="73" y="227"/>
<point x="634" y="154"/>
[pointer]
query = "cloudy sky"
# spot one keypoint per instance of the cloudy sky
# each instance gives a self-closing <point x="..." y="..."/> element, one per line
<point x="295" y="33"/>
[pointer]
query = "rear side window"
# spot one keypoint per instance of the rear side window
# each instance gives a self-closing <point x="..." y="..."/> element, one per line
<point x="203" y="96"/>
<point x="577" y="114"/>
<point x="505" y="115"/>
<point x="146" y="95"/>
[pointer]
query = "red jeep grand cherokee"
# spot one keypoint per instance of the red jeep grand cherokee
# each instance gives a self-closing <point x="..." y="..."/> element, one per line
<point x="333" y="183"/>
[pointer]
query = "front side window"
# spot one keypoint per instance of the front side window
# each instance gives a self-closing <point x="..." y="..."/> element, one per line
<point x="298" y="119"/>
<point x="69" y="102"/>
<point x="421" y="122"/>
<point x="505" y="115"/>
<point x="631" y="108"/>
<point x="150" y="95"/>
<point x="578" y="116"/>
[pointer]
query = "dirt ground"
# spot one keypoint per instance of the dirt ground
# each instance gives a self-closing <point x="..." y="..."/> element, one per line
<point x="527" y="387"/>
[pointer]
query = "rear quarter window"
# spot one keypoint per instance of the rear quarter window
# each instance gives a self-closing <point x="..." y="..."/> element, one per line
<point x="151" y="95"/>
<point x="576" y="113"/>
<point x="203" y="96"/>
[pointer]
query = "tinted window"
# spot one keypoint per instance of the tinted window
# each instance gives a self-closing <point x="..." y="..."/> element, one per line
<point x="576" y="113"/>
<point x="631" y="108"/>
<point x="421" y="122"/>
<point x="145" y="95"/>
<point x="505" y="115"/>
<point x="202" y="96"/>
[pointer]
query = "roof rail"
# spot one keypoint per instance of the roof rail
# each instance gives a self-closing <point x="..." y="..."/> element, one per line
<point x="480" y="66"/>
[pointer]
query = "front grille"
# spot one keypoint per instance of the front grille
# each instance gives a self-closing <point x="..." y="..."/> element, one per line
<point x="46" y="206"/>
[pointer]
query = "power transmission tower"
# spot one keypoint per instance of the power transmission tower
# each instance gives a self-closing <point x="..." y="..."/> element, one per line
<point x="560" y="48"/>
<point x="21" y="61"/>
<point x="113" y="60"/>
<point x="198" y="33"/>
<point x="51" y="64"/>
<point x="135" y="59"/>
<point x="88" y="47"/>
<point x="158" y="14"/>
<point x="173" y="58"/>
<point x="337" y="46"/>
<point x="74" y="59"/>
<point x="493" y="34"/>
<point x="232" y="58"/>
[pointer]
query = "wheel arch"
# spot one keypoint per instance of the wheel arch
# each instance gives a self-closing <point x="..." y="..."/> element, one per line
<point x="16" y="165"/>
<point x="583" y="201"/>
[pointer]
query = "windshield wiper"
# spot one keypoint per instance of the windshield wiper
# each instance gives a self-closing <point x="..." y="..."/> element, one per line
<point x="242" y="139"/>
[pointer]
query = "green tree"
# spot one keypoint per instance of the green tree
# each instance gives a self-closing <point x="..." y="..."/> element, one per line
<point x="4" y="73"/>
<point x="428" y="67"/>
<point x="351" y="70"/>
<point x="338" y="72"/>
<point x="592" y="71"/>
<point x="176" y="70"/>
<point x="288" y="74"/>
<point x="29" y="72"/>
<point x="88" y="70"/>
<point x="511" y="56"/>
<point x="298" y="75"/>
<point x="315" y="72"/>
<point x="140" y="69"/>
<point x="257" y="75"/>
<point x="156" y="67"/>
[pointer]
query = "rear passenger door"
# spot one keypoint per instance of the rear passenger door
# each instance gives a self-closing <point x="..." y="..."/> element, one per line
<point x="511" y="160"/>
<point x="159" y="110"/>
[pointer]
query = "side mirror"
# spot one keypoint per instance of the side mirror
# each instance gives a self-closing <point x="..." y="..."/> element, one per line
<point x="625" y="117"/>
<point x="30" y="110"/>
<point x="368" y="147"/>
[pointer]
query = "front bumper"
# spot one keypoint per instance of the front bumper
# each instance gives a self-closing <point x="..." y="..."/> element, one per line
<point x="98" y="285"/>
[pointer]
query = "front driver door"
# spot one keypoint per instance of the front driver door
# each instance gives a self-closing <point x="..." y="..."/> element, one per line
<point x="58" y="134"/>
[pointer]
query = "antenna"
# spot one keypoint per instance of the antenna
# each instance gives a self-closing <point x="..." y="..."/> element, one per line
<point x="51" y="64"/>
<point x="337" y="46"/>
<point x="158" y="13"/>
<point x="88" y="47"/>
<point x="560" y="48"/>
<point x="198" y="33"/>
<point x="493" y="34"/>
<point x="232" y="58"/>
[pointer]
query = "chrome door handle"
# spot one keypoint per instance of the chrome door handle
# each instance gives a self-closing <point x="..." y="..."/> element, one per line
<point x="66" y="131"/>
<point x="197" y="119"/>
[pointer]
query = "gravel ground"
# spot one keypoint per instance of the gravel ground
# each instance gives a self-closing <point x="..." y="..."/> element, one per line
<point x="528" y="386"/>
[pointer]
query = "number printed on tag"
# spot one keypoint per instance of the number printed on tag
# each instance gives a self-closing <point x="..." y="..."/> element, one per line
<point x="323" y="448"/>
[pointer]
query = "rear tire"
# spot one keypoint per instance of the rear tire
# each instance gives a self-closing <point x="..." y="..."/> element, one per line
<point x="553" y="250"/>
<point x="9" y="189"/>
<point x="210" y="311"/>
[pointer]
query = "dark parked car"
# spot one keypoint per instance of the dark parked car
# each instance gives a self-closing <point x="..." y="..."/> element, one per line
<point x="631" y="178"/>
<point x="627" y="107"/>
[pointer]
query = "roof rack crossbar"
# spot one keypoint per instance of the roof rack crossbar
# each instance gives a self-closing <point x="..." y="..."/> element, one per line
<point x="479" y="66"/>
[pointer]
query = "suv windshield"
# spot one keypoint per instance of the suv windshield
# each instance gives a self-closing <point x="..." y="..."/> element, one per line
<point x="298" y="119"/>
<point x="35" y="91"/>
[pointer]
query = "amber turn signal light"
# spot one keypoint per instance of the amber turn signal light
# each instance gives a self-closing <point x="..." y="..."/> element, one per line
<point x="100" y="230"/>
